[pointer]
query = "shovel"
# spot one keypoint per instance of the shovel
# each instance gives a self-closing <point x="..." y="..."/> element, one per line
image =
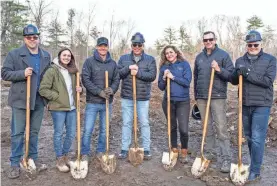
<point x="201" y="164"/>
<point x="135" y="154"/>
<point x="169" y="159"/>
<point x="239" y="172"/>
<point x="28" y="164"/>
<point x="108" y="162"/>
<point x="78" y="169"/>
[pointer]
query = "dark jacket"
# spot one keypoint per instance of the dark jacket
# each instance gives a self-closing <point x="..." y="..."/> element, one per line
<point x="53" y="87"/>
<point x="93" y="77"/>
<point x="202" y="74"/>
<point x="179" y="87"/>
<point x="14" y="70"/>
<point x="147" y="71"/>
<point x="258" y="86"/>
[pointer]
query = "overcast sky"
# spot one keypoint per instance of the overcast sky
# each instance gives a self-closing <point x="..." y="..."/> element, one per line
<point x="152" y="16"/>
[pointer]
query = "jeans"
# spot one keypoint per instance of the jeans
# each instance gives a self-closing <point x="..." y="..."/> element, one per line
<point x="255" y="123"/>
<point x="179" y="111"/>
<point x="61" y="119"/>
<point x="143" y="119"/>
<point x="18" y="124"/>
<point x="91" y="113"/>
<point x="218" y="114"/>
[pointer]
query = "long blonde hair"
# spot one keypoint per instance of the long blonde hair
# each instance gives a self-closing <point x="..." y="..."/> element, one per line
<point x="180" y="56"/>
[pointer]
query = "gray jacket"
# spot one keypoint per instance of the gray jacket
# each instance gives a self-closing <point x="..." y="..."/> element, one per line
<point x="202" y="74"/>
<point x="13" y="70"/>
<point x="258" y="86"/>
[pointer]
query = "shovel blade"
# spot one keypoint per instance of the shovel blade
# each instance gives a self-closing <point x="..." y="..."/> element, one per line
<point x="79" y="170"/>
<point x="239" y="176"/>
<point x="29" y="168"/>
<point x="108" y="163"/>
<point x="199" y="167"/>
<point x="169" y="163"/>
<point x="135" y="156"/>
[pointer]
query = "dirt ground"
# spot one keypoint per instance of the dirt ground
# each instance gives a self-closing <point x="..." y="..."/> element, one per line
<point x="150" y="173"/>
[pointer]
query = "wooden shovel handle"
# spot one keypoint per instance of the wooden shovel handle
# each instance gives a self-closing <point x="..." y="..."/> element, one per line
<point x="107" y="113"/>
<point x="207" y="112"/>
<point x="240" y="122"/>
<point x="27" y="129"/>
<point x="135" y="109"/>
<point x="78" y="117"/>
<point x="168" y="116"/>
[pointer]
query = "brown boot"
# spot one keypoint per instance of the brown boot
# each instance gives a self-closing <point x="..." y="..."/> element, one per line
<point x="175" y="150"/>
<point x="66" y="159"/>
<point x="183" y="156"/>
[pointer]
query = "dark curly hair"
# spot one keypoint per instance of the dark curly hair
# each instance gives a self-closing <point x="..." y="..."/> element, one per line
<point x="71" y="66"/>
<point x="180" y="56"/>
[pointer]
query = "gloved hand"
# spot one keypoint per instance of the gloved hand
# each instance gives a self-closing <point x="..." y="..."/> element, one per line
<point x="104" y="95"/>
<point x="243" y="70"/>
<point x="109" y="91"/>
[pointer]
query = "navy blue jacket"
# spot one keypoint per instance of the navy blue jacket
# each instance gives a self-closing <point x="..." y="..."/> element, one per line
<point x="179" y="87"/>
<point x="258" y="86"/>
<point x="93" y="77"/>
<point x="202" y="74"/>
<point x="147" y="71"/>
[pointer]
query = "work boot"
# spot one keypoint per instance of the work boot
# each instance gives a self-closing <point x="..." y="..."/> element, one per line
<point x="66" y="159"/>
<point x="147" y="155"/>
<point x="183" y="156"/>
<point x="123" y="154"/>
<point x="211" y="156"/>
<point x="99" y="155"/>
<point x="62" y="167"/>
<point x="13" y="172"/>
<point x="40" y="166"/>
<point x="252" y="178"/>
<point x="225" y="167"/>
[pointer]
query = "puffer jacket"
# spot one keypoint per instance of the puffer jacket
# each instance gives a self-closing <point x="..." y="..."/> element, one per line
<point x="147" y="71"/>
<point x="258" y="85"/>
<point x="179" y="87"/>
<point x="93" y="77"/>
<point x="202" y="74"/>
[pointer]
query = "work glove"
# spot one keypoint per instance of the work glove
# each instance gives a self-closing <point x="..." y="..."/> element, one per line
<point x="104" y="95"/>
<point x="109" y="91"/>
<point x="243" y="70"/>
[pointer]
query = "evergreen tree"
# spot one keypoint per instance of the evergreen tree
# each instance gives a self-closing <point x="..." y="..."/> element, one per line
<point x="254" y="23"/>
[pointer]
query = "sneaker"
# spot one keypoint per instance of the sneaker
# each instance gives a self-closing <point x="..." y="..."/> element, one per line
<point x="147" y="155"/>
<point x="253" y="177"/>
<point x="66" y="160"/>
<point x="225" y="167"/>
<point x="183" y="156"/>
<point x="62" y="167"/>
<point x="40" y="166"/>
<point x="99" y="155"/>
<point x="13" y="172"/>
<point x="123" y="154"/>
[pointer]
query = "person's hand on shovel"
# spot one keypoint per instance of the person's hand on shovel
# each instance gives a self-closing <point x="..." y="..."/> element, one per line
<point x="79" y="89"/>
<point x="104" y="95"/>
<point x="134" y="72"/>
<point x="28" y="71"/>
<point x="109" y="91"/>
<point x="215" y="66"/>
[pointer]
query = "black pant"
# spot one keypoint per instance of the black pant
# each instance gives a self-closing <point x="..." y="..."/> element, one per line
<point x="179" y="112"/>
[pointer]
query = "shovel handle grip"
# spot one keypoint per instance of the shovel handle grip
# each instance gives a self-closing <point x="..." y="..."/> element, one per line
<point x="78" y="117"/>
<point x="107" y="113"/>
<point x="27" y="127"/>
<point x="207" y="112"/>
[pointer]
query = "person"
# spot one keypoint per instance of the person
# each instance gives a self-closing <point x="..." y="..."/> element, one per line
<point x="28" y="60"/>
<point x="214" y="57"/>
<point x="93" y="78"/>
<point x="259" y="71"/>
<point x="58" y="86"/>
<point x="143" y="67"/>
<point x="177" y="69"/>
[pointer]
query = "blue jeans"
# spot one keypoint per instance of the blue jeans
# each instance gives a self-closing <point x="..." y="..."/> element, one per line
<point x="61" y="119"/>
<point x="18" y="124"/>
<point x="91" y="113"/>
<point x="143" y="118"/>
<point x="255" y="123"/>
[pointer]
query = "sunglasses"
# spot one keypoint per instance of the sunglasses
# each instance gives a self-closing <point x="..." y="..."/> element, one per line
<point x="137" y="45"/>
<point x="31" y="37"/>
<point x="206" y="40"/>
<point x="251" y="45"/>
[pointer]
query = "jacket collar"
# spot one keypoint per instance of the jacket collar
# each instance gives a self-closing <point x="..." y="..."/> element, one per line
<point x="213" y="51"/>
<point x="97" y="57"/>
<point x="259" y="54"/>
<point x="142" y="56"/>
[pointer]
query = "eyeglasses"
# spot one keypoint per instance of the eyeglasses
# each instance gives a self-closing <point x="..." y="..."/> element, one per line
<point x="251" y="45"/>
<point x="137" y="45"/>
<point x="31" y="37"/>
<point x="206" y="40"/>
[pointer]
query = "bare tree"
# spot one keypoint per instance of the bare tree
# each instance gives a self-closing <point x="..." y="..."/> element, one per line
<point x="202" y="26"/>
<point x="71" y="25"/>
<point x="125" y="35"/>
<point x="114" y="27"/>
<point x="219" y="21"/>
<point x="39" y="9"/>
<point x="90" y="17"/>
